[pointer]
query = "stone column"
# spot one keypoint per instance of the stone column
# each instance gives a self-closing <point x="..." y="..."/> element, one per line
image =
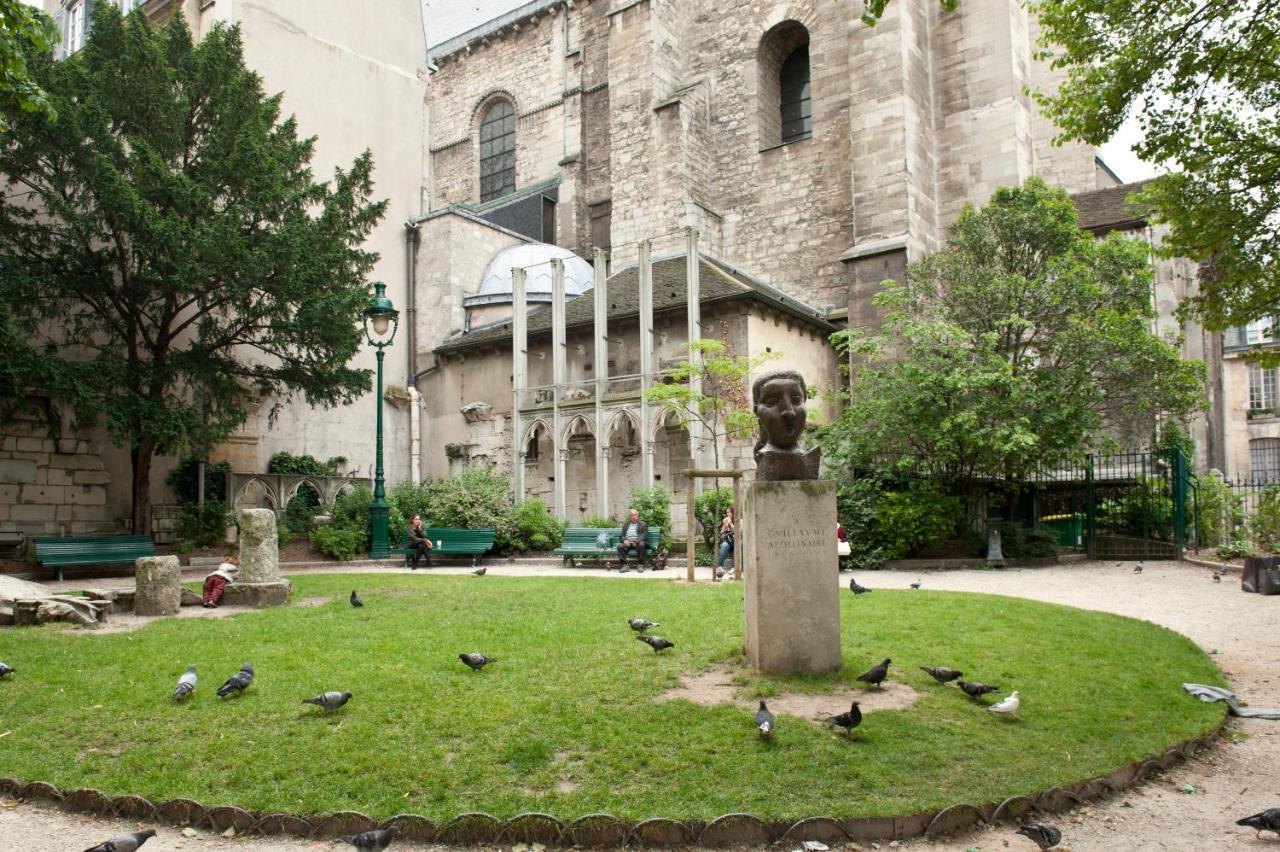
<point x="693" y="282"/>
<point x="792" y="606"/>
<point x="520" y="376"/>
<point x="558" y="370"/>
<point x="600" y="298"/>
<point x="259" y="547"/>
<point x="159" y="584"/>
<point x="646" y="363"/>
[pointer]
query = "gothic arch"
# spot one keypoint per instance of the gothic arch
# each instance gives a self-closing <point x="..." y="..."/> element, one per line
<point x="292" y="490"/>
<point x="573" y="421"/>
<point x="660" y="422"/>
<point x="616" y="418"/>
<point x="268" y="492"/>
<point x="531" y="428"/>
<point x="483" y="102"/>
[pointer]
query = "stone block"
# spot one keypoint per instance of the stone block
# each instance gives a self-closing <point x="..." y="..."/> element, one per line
<point x="158" y="584"/>
<point x="86" y="495"/>
<point x="64" y="513"/>
<point x="43" y="494"/>
<point x="792" y="606"/>
<point x="33" y="513"/>
<point x="56" y="476"/>
<point x="8" y="494"/>
<point x="91" y="477"/>
<point x="257" y="595"/>
<point x="34" y="445"/>
<point x="17" y="471"/>
<point x="190" y="597"/>
<point x="259" y="546"/>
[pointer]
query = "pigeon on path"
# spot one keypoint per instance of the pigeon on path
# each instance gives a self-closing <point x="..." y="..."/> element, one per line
<point x="238" y="682"/>
<point x="329" y="700"/>
<point x="124" y="842"/>
<point x="976" y="690"/>
<point x="373" y="841"/>
<point x="1007" y="706"/>
<point x="657" y="643"/>
<point x="1045" y="836"/>
<point x="186" y="684"/>
<point x="6" y="670"/>
<point x="640" y="625"/>
<point x="764" y="720"/>
<point x="480" y="572"/>
<point x="1268" y="820"/>
<point x="916" y="584"/>
<point x="1137" y="569"/>
<point x="476" y="660"/>
<point x="942" y="674"/>
<point x="1217" y="576"/>
<point x="849" y="720"/>
<point x="876" y="675"/>
<point x="355" y="599"/>
<point x="856" y="588"/>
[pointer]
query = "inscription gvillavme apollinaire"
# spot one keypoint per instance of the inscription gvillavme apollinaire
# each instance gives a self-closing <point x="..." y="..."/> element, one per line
<point x="795" y="538"/>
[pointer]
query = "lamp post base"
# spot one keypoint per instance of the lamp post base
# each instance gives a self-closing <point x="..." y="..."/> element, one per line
<point x="379" y="548"/>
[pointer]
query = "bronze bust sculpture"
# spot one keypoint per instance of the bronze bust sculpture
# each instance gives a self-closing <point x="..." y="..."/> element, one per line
<point x="778" y="398"/>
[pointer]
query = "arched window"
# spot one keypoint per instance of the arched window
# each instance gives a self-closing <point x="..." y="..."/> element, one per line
<point x="793" y="83"/>
<point x="782" y="85"/>
<point x="497" y="151"/>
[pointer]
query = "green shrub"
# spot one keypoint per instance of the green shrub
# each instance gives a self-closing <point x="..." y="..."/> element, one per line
<point x="537" y="529"/>
<point x="908" y="520"/>
<point x="305" y="465"/>
<point x="283" y="535"/>
<point x="599" y="523"/>
<point x="654" y="507"/>
<point x="709" y="509"/>
<point x="1233" y="550"/>
<point x="1219" y="512"/>
<point x="1264" y="526"/>
<point x="339" y="542"/>
<point x="304" y="506"/>
<point x="856" y="507"/>
<point x="203" y="529"/>
<point x="1145" y="509"/>
<point x="477" y="497"/>
<point x="183" y="547"/>
<point x="184" y="480"/>
<point x="1019" y="542"/>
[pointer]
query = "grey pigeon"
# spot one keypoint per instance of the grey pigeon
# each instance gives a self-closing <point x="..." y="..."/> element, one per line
<point x="373" y="841"/>
<point x="355" y="599"/>
<point x="1217" y="576"/>
<point x="124" y="842"/>
<point x="976" y="690"/>
<point x="876" y="675"/>
<point x="1137" y="569"/>
<point x="856" y="588"/>
<point x="6" y="670"/>
<point x="186" y="684"/>
<point x="480" y="572"/>
<point x="329" y="700"/>
<point x="1045" y="836"/>
<point x="1268" y="820"/>
<point x="764" y="720"/>
<point x="657" y="643"/>
<point x="849" y="720"/>
<point x="238" y="682"/>
<point x="942" y="674"/>
<point x="916" y="584"/>
<point x="476" y="660"/>
<point x="640" y="625"/>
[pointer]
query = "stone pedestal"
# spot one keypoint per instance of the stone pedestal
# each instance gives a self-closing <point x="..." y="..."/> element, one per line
<point x="259" y="547"/>
<point x="790" y="565"/>
<point x="256" y="594"/>
<point x="159" y="585"/>
<point x="995" y="552"/>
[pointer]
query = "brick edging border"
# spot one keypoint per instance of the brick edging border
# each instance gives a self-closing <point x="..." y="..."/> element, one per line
<point x="602" y="829"/>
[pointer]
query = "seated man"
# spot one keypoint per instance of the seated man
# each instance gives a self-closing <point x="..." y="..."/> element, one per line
<point x="634" y="538"/>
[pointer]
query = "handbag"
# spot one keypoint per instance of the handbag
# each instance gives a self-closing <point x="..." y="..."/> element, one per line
<point x="843" y="548"/>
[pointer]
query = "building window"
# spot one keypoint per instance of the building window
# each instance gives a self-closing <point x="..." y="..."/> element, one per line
<point x="1262" y="387"/>
<point x="1259" y="331"/>
<point x="796" y="114"/>
<point x="1264" y="459"/>
<point x="72" y="20"/>
<point x="127" y="6"/>
<point x="497" y="151"/>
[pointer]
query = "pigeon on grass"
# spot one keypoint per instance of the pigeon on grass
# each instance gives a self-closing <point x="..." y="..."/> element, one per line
<point x="1268" y="820"/>
<point x="856" y="588"/>
<point x="476" y="660"/>
<point x="849" y="720"/>
<point x="238" y="682"/>
<point x="329" y="700"/>
<point x="373" y="841"/>
<point x="355" y="599"/>
<point x="764" y="721"/>
<point x="6" y="670"/>
<point x="941" y="674"/>
<point x="186" y="684"/>
<point x="1044" y="835"/>
<point x="640" y="625"/>
<point x="657" y="643"/>
<point x="875" y="676"/>
<point x="124" y="842"/>
<point x="1007" y="707"/>
<point x="976" y="690"/>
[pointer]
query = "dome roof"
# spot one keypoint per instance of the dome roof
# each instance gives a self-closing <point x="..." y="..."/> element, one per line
<point x="536" y="258"/>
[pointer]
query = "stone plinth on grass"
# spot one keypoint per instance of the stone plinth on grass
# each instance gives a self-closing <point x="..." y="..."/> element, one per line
<point x="256" y="594"/>
<point x="159" y="585"/>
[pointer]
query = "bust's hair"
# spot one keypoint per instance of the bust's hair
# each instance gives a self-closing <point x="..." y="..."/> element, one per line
<point x="757" y="388"/>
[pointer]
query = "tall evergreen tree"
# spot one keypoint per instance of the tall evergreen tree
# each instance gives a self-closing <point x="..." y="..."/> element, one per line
<point x="166" y="259"/>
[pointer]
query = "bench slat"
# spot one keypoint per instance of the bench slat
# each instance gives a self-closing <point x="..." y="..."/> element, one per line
<point x="92" y="550"/>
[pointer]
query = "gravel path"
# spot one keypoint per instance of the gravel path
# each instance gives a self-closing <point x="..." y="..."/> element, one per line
<point x="1238" y="778"/>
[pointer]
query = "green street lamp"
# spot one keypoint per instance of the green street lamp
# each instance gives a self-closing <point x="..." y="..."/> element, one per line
<point x="381" y="320"/>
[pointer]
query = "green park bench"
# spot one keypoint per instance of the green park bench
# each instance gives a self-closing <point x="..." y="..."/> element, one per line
<point x="581" y="543"/>
<point x="92" y="550"/>
<point x="450" y="541"/>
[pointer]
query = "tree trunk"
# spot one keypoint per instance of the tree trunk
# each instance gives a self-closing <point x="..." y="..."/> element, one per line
<point x="140" y="456"/>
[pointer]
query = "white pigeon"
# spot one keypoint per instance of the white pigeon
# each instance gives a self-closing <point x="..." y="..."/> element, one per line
<point x="186" y="684"/>
<point x="1007" y="707"/>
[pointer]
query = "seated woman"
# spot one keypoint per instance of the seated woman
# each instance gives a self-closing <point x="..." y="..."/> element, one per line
<point x="215" y="583"/>
<point x="419" y="543"/>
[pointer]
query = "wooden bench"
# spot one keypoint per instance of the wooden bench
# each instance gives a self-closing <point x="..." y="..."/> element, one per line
<point x="450" y="541"/>
<point x="92" y="550"/>
<point x="580" y="543"/>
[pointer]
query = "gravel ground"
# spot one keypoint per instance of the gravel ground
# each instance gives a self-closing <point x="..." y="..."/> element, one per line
<point x="1240" y="777"/>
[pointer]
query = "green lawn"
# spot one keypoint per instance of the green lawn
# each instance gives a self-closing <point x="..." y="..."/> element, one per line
<point x="566" y="722"/>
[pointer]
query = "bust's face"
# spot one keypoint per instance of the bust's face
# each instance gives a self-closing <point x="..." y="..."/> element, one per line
<point x="781" y="412"/>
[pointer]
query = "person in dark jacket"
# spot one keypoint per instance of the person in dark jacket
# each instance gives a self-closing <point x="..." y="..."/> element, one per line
<point x="419" y="544"/>
<point x="634" y="539"/>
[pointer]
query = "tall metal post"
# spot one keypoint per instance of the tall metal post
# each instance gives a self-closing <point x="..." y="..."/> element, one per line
<point x="378" y="547"/>
<point x="1090" y="510"/>
<point x="694" y="315"/>
<point x="558" y="370"/>
<point x="646" y="363"/>
<point x="520" y="377"/>
<point x="601" y="330"/>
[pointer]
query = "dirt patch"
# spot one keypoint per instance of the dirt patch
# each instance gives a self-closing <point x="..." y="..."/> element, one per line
<point x="715" y="686"/>
<point x="127" y="622"/>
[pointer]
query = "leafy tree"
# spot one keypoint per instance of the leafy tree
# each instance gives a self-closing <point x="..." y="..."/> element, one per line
<point x="1020" y="344"/>
<point x="166" y="258"/>
<point x="1203" y="79"/>
<point x="26" y="35"/>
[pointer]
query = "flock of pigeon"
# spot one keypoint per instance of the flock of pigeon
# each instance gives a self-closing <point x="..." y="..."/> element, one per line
<point x="376" y="840"/>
